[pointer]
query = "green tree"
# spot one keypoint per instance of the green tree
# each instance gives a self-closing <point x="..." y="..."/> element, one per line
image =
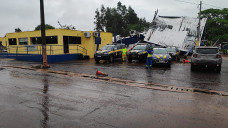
<point x="131" y="16"/>
<point x="69" y="27"/>
<point x="119" y="20"/>
<point x="217" y="24"/>
<point x="99" y="19"/>
<point x="47" y="26"/>
<point x="18" y="30"/>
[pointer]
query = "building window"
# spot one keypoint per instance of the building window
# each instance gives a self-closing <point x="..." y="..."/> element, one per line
<point x="12" y="41"/>
<point x="74" y="40"/>
<point x="23" y="41"/>
<point x="36" y="40"/>
<point x="49" y="40"/>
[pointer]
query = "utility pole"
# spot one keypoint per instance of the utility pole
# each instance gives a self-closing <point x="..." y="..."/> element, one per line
<point x="43" y="36"/>
<point x="155" y="14"/>
<point x="199" y="32"/>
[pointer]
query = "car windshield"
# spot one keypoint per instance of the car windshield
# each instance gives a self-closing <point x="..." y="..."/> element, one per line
<point x="107" y="48"/>
<point x="207" y="50"/>
<point x="120" y="46"/>
<point x="140" y="47"/>
<point x="160" y="51"/>
<point x="171" y="49"/>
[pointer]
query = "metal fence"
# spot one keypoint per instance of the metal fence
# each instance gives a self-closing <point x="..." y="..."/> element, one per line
<point x="51" y="49"/>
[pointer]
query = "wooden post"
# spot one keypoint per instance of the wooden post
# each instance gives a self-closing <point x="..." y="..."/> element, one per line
<point x="43" y="36"/>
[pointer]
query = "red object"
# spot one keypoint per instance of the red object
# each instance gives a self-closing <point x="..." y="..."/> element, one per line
<point x="218" y="56"/>
<point x="195" y="55"/>
<point x="99" y="73"/>
<point x="186" y="61"/>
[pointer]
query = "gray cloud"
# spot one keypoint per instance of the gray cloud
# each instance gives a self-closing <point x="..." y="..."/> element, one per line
<point x="25" y="14"/>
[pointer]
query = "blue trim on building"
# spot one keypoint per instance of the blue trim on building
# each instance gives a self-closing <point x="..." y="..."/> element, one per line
<point x="38" y="58"/>
<point x="131" y="40"/>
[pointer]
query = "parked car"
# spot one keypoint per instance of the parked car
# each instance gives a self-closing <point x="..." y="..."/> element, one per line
<point x="138" y="52"/>
<point x="207" y="57"/>
<point x="161" y="57"/>
<point x="109" y="52"/>
<point x="174" y="53"/>
<point x="3" y="49"/>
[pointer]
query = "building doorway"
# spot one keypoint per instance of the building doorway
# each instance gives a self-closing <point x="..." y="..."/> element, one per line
<point x="66" y="44"/>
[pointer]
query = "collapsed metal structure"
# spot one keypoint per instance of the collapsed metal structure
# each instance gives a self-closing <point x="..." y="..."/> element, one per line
<point x="181" y="32"/>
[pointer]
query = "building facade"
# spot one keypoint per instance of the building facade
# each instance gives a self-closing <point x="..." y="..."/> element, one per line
<point x="58" y="42"/>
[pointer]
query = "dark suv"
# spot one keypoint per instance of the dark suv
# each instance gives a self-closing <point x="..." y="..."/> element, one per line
<point x="174" y="53"/>
<point x="208" y="57"/>
<point x="138" y="52"/>
<point x="109" y="52"/>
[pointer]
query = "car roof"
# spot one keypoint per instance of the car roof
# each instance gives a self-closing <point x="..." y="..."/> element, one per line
<point x="171" y="47"/>
<point x="142" y="44"/>
<point x="111" y="45"/>
<point x="159" y="48"/>
<point x="206" y="47"/>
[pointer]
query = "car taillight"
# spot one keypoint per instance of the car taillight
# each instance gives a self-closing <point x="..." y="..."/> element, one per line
<point x="218" y="56"/>
<point x="195" y="55"/>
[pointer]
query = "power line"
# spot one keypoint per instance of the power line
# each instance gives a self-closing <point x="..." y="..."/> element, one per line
<point x="187" y="2"/>
<point x="212" y="5"/>
<point x="198" y="4"/>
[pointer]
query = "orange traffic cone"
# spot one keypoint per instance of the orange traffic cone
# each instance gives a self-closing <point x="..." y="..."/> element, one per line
<point x="99" y="73"/>
<point x="186" y="61"/>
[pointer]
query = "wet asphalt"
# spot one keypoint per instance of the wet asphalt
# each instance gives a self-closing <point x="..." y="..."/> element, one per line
<point x="178" y="74"/>
<point x="36" y="99"/>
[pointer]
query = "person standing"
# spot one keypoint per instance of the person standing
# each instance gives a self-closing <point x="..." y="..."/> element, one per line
<point x="225" y="48"/>
<point x="124" y="53"/>
<point x="149" y="58"/>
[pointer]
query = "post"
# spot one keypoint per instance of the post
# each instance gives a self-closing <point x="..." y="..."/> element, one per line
<point x="50" y="50"/>
<point x="17" y="51"/>
<point x="43" y="36"/>
<point x="27" y="50"/>
<point x="199" y="31"/>
<point x="98" y="40"/>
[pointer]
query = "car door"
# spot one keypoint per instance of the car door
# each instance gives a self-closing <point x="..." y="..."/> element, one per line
<point x="119" y="51"/>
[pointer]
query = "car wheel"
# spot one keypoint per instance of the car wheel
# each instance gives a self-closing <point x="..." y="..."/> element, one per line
<point x="130" y="60"/>
<point x="140" y="60"/>
<point x="97" y="60"/>
<point x="218" y="69"/>
<point x="193" y="68"/>
<point x="111" y="59"/>
<point x="178" y="58"/>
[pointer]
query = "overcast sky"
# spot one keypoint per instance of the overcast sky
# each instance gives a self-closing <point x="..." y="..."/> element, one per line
<point x="25" y="14"/>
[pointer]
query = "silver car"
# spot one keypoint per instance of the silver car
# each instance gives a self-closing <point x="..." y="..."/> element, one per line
<point x="207" y="57"/>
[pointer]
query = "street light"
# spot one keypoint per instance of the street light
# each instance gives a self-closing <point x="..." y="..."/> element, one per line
<point x="44" y="54"/>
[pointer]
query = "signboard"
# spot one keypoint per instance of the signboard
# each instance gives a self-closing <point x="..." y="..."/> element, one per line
<point x="98" y="40"/>
<point x="30" y="48"/>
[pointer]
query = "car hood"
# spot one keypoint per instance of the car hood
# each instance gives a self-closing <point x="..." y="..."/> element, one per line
<point x="172" y="53"/>
<point x="136" y="51"/>
<point x="103" y="51"/>
<point x="158" y="56"/>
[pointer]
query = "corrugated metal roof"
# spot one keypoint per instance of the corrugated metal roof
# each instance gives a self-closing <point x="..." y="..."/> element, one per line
<point x="174" y="31"/>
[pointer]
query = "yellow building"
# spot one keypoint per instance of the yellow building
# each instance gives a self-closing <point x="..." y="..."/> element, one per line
<point x="59" y="41"/>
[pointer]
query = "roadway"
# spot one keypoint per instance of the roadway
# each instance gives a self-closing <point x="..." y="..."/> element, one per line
<point x="37" y="98"/>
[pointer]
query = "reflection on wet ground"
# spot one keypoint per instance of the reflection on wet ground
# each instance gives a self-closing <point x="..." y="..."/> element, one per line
<point x="178" y="75"/>
<point x="45" y="103"/>
<point x="36" y="99"/>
